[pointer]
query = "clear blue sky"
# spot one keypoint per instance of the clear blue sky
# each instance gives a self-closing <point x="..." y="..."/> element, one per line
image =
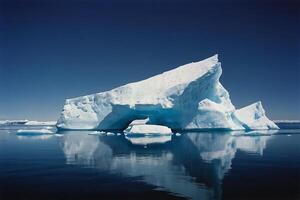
<point x="52" y="50"/>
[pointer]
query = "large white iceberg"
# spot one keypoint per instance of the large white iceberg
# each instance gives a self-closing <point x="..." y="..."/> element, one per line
<point x="188" y="97"/>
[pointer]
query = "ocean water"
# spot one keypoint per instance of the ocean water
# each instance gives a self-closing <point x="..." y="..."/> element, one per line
<point x="194" y="165"/>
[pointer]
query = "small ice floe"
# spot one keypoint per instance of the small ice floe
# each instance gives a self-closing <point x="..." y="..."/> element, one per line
<point x="110" y="134"/>
<point x="118" y="134"/>
<point x="97" y="133"/>
<point x="289" y="135"/>
<point x="178" y="134"/>
<point x="147" y="129"/>
<point x="144" y="134"/>
<point x="59" y="135"/>
<point x="34" y="132"/>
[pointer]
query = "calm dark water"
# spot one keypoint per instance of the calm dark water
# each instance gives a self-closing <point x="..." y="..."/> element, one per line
<point x="207" y="165"/>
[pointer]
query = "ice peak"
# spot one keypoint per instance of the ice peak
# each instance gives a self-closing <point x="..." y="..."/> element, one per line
<point x="256" y="106"/>
<point x="214" y="58"/>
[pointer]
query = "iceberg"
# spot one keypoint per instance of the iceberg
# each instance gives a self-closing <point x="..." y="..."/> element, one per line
<point x="189" y="97"/>
<point x="253" y="117"/>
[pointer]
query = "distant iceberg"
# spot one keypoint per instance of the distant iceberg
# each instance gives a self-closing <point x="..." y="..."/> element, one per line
<point x="27" y="122"/>
<point x="41" y="123"/>
<point x="287" y="121"/>
<point x="13" y="122"/>
<point x="188" y="97"/>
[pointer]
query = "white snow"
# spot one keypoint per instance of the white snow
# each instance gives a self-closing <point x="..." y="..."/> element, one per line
<point x="187" y="97"/>
<point x="34" y="131"/>
<point x="148" y="129"/>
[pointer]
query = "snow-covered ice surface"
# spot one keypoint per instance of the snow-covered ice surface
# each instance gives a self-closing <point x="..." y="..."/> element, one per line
<point x="188" y="97"/>
<point x="148" y="129"/>
<point x="253" y="117"/>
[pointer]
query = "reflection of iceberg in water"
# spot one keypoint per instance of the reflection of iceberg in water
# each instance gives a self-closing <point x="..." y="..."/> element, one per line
<point x="191" y="166"/>
<point x="149" y="139"/>
<point x="81" y="148"/>
<point x="34" y="137"/>
<point x="252" y="144"/>
<point x="221" y="148"/>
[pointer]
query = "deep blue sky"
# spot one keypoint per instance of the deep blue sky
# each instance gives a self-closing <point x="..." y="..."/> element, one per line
<point x="52" y="50"/>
